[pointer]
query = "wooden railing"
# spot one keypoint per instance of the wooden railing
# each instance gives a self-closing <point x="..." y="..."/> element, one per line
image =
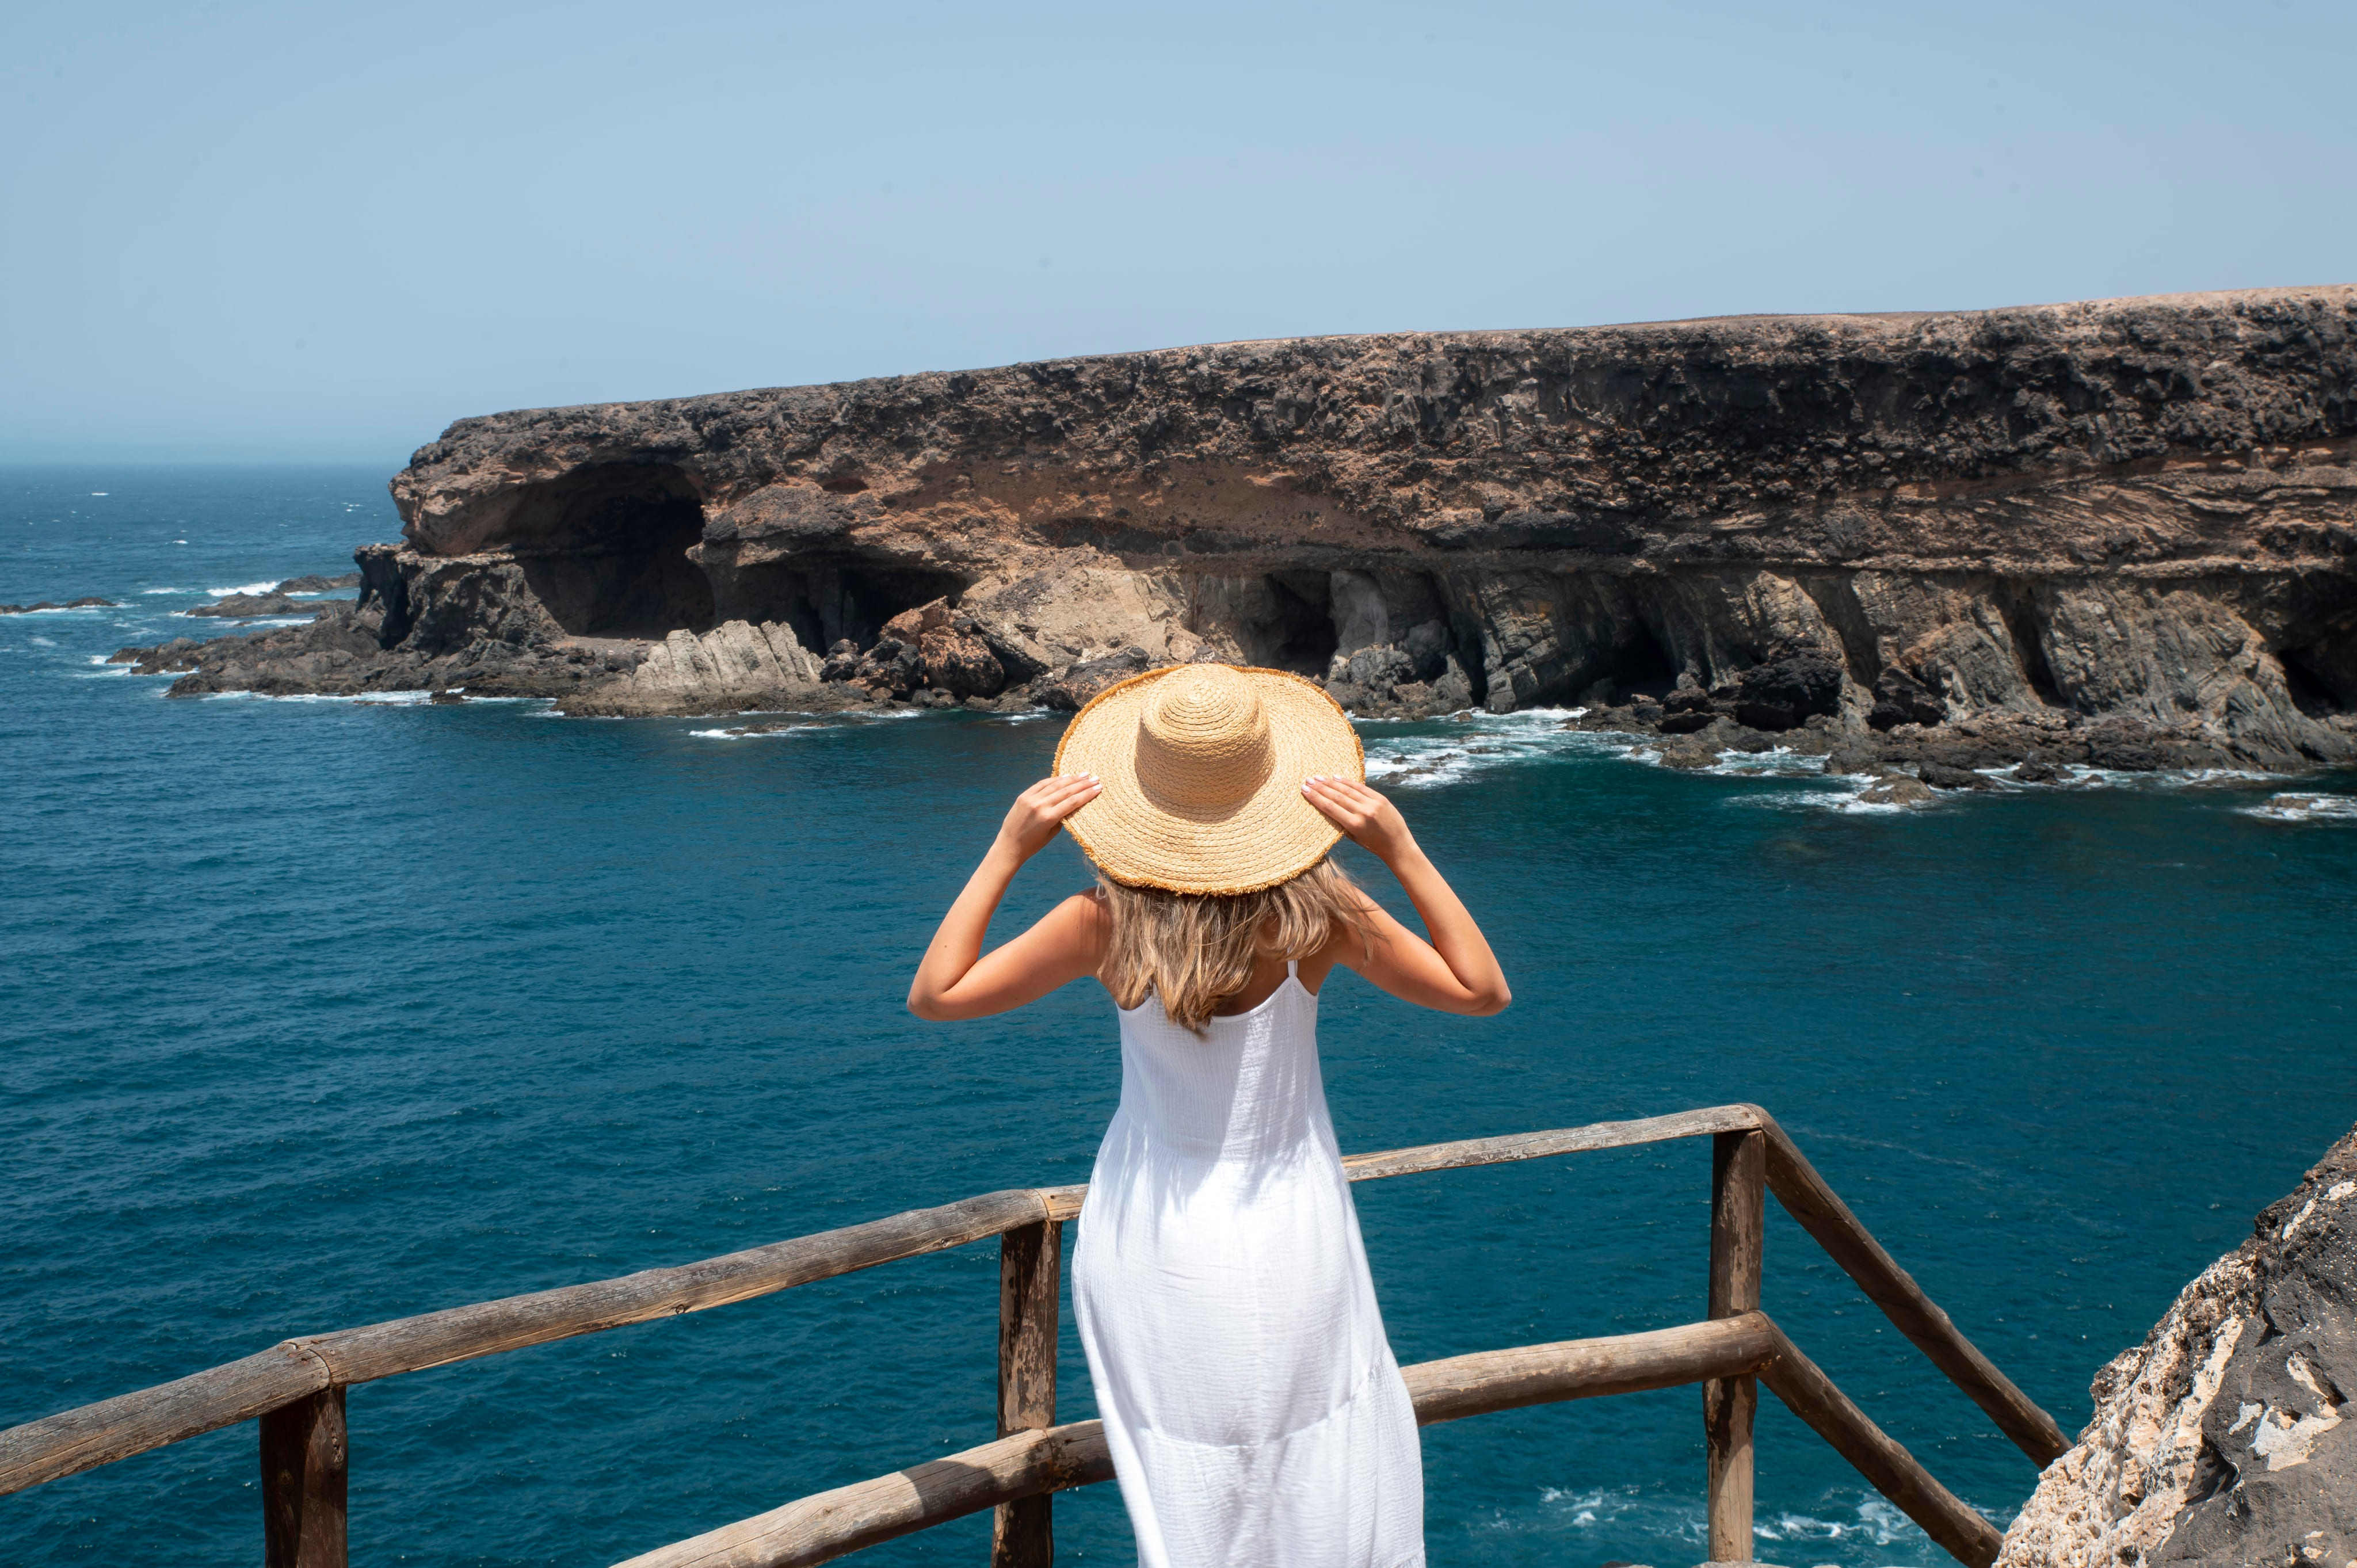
<point x="296" y="1388"/>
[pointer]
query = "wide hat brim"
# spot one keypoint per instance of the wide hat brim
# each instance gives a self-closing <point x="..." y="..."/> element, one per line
<point x="1269" y="837"/>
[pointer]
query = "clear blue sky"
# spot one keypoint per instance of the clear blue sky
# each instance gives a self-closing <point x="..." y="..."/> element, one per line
<point x="248" y="230"/>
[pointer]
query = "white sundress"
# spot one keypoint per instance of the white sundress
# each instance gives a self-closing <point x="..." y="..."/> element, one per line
<point x="1254" y="1412"/>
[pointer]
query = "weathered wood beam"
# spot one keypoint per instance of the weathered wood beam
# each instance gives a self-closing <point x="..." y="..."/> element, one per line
<point x="1960" y="1531"/>
<point x="1489" y="1381"/>
<point x="462" y="1333"/>
<point x="132" y="1424"/>
<point x="1826" y="1217"/>
<point x="306" y="1458"/>
<point x="1065" y="1202"/>
<point x="1563" y="1141"/>
<point x="826" y="1525"/>
<point x="1739" y="1196"/>
<point x="1030" y="1276"/>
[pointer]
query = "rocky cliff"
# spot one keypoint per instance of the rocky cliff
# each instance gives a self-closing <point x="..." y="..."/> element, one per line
<point x="2133" y="511"/>
<point x="2229" y="1435"/>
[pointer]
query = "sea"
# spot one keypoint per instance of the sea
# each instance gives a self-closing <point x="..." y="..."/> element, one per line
<point x="316" y="1012"/>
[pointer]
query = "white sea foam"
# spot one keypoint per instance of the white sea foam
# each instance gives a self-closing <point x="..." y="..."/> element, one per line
<point x="752" y="732"/>
<point x="40" y="642"/>
<point x="2304" y="807"/>
<point x="363" y="699"/>
<point x="1474" y="743"/>
<point x="154" y="591"/>
<point x="261" y="588"/>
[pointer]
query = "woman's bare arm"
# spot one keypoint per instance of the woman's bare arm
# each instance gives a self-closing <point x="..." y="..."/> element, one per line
<point x="1453" y="972"/>
<point x="956" y="980"/>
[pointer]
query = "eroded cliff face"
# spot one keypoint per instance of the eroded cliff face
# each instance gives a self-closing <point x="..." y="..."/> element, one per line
<point x="2230" y="1435"/>
<point x="2136" y="509"/>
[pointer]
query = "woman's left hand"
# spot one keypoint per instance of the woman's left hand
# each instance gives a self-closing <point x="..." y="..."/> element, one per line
<point x="1040" y="811"/>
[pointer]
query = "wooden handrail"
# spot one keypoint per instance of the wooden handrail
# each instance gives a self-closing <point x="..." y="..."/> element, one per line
<point x="1822" y="1214"/>
<point x="131" y="1424"/>
<point x="829" y="1524"/>
<point x="1811" y="1395"/>
<point x="309" y="1367"/>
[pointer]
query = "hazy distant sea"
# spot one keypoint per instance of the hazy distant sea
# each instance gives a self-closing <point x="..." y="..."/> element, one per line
<point x="316" y="1013"/>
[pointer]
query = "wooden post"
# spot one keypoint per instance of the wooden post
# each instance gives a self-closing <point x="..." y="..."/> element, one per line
<point x="303" y="1468"/>
<point x="1738" y="1174"/>
<point x="1030" y="1268"/>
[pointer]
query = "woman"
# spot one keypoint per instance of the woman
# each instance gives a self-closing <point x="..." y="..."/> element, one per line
<point x="1255" y="1415"/>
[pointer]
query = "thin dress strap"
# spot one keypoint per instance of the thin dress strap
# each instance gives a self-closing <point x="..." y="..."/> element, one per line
<point x="1292" y="969"/>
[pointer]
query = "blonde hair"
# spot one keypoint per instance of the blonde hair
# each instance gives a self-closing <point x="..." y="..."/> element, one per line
<point x="1194" y="951"/>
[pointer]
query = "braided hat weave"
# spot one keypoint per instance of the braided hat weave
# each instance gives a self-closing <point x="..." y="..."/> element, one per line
<point x="1202" y="767"/>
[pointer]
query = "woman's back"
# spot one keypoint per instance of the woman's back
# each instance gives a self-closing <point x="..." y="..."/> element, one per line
<point x="1247" y="1087"/>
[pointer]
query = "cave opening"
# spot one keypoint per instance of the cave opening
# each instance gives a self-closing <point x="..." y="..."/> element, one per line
<point x="1280" y="620"/>
<point x="827" y="601"/>
<point x="605" y="550"/>
<point x="2311" y="691"/>
<point x="1642" y="666"/>
<point x="2022" y="624"/>
<point x="1302" y="637"/>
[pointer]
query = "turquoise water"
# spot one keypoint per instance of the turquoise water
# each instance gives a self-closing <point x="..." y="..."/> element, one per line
<point x="317" y="1012"/>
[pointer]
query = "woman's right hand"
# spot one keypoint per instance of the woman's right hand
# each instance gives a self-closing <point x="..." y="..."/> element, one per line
<point x="1366" y="818"/>
<point x="1040" y="811"/>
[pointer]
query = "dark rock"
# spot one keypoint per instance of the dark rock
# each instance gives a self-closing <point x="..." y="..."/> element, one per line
<point x="1687" y="722"/>
<point x="1070" y="690"/>
<point x="314" y="584"/>
<point x="1898" y="789"/>
<point x="2036" y="772"/>
<point x="1688" y="700"/>
<point x="88" y="602"/>
<point x="254" y="607"/>
<point x="1939" y="775"/>
<point x="1851" y="759"/>
<point x="1900" y="699"/>
<point x="1689" y="754"/>
<point x="1794" y="680"/>
<point x="842" y="662"/>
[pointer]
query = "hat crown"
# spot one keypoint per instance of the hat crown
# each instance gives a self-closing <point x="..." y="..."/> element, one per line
<point x="1203" y="740"/>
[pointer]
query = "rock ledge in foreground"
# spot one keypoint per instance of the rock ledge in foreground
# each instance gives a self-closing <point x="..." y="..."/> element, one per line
<point x="2230" y="1435"/>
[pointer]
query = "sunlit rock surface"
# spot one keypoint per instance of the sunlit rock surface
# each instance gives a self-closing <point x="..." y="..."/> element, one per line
<point x="2229" y="1435"/>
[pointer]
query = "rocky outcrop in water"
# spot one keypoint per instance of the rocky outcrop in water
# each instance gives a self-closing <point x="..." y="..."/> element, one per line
<point x="2230" y="1435"/>
<point x="88" y="602"/>
<point x="2141" y="512"/>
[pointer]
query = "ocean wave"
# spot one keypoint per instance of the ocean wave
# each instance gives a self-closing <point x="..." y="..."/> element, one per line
<point x="262" y="587"/>
<point x="1845" y="1524"/>
<point x="2290" y="807"/>
<point x="154" y="591"/>
<point x="1475" y="743"/>
<point x="753" y="732"/>
<point x="363" y="699"/>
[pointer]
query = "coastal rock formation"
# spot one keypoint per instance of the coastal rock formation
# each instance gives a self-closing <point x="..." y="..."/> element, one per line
<point x="2137" y="512"/>
<point x="276" y="603"/>
<point x="88" y="602"/>
<point x="2230" y="1435"/>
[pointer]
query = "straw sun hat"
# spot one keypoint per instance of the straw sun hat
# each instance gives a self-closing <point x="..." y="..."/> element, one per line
<point x="1202" y="767"/>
